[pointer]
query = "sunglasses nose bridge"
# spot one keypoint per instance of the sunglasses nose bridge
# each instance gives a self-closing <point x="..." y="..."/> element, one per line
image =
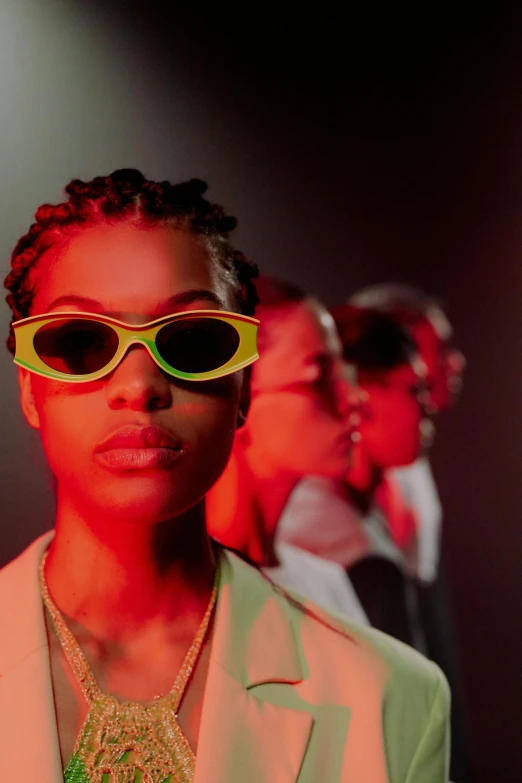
<point x="133" y="338"/>
<point x="135" y="334"/>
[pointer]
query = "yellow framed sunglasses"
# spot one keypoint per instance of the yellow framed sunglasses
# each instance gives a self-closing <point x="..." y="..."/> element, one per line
<point x="194" y="345"/>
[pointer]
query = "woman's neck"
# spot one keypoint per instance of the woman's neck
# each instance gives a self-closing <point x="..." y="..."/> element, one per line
<point x="362" y="484"/>
<point x="272" y="488"/>
<point x="116" y="579"/>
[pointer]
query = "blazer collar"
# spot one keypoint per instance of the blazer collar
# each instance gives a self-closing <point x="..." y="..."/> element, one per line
<point x="256" y="642"/>
<point x="256" y="639"/>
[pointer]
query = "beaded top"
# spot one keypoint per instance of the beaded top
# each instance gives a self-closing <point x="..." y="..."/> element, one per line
<point x="127" y="742"/>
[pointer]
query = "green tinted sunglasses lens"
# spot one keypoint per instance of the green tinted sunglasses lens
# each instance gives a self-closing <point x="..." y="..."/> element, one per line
<point x="197" y="345"/>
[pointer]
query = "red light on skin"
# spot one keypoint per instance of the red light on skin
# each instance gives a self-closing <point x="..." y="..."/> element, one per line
<point x="112" y="513"/>
<point x="445" y="363"/>
<point x="392" y="429"/>
<point x="301" y="421"/>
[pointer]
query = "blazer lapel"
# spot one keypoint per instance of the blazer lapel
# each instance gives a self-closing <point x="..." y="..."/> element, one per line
<point x="242" y="736"/>
<point x="29" y="748"/>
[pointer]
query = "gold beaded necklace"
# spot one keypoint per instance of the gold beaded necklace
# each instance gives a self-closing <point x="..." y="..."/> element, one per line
<point x="126" y="742"/>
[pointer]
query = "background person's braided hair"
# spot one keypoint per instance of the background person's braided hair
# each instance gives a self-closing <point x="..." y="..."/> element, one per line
<point x="127" y="196"/>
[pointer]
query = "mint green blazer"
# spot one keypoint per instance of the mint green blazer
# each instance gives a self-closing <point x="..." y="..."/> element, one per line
<point x="293" y="694"/>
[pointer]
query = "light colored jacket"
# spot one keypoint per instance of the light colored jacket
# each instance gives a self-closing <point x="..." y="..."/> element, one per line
<point x="323" y="582"/>
<point x="420" y="493"/>
<point x="293" y="694"/>
<point x="319" y="518"/>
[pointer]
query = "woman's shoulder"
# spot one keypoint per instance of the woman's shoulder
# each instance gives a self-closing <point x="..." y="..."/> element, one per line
<point x="21" y="610"/>
<point x="292" y="653"/>
<point x="370" y="652"/>
<point x="24" y="566"/>
<point x="334" y="637"/>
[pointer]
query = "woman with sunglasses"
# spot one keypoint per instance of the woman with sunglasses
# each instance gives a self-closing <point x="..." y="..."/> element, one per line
<point x="133" y="648"/>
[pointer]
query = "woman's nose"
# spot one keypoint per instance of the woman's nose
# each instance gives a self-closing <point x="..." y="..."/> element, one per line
<point x="138" y="382"/>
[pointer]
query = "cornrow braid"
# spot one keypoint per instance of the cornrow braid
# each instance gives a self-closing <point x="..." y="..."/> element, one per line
<point x="127" y="196"/>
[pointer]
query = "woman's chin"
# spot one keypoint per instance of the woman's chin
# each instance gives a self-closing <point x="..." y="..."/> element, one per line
<point x="335" y="470"/>
<point x="144" y="508"/>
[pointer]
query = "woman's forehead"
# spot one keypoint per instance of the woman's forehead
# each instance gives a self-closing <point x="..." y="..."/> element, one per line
<point x="127" y="269"/>
<point x="296" y="340"/>
<point x="308" y="329"/>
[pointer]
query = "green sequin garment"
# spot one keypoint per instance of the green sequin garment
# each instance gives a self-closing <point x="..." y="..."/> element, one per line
<point x="75" y="773"/>
<point x="131" y="743"/>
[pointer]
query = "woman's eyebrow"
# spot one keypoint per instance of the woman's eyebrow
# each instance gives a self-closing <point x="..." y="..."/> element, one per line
<point x="183" y="298"/>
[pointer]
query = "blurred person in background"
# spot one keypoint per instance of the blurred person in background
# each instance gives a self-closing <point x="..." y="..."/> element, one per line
<point x="433" y="335"/>
<point x="365" y="526"/>
<point x="300" y="422"/>
<point x="426" y="320"/>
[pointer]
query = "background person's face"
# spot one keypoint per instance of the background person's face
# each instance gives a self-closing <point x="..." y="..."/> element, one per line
<point x="132" y="272"/>
<point x="445" y="363"/>
<point x="299" y="415"/>
<point x="391" y="418"/>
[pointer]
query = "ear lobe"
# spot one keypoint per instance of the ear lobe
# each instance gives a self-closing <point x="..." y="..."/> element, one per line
<point x="27" y="400"/>
<point x="245" y="398"/>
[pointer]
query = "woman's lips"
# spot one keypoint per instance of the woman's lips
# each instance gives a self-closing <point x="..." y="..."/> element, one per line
<point x="139" y="459"/>
<point x="138" y="447"/>
<point x="134" y="436"/>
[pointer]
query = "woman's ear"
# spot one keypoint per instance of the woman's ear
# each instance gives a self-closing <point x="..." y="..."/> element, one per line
<point x="27" y="401"/>
<point x="245" y="398"/>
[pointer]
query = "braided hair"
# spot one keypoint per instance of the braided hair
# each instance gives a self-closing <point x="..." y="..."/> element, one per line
<point x="127" y="196"/>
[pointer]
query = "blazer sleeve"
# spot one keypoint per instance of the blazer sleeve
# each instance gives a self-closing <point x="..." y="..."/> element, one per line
<point x="430" y="762"/>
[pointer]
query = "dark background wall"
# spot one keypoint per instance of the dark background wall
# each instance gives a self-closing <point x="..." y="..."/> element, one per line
<point x="353" y="150"/>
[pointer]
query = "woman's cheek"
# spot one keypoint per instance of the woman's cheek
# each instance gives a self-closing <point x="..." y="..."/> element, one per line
<point x="60" y="416"/>
<point x="277" y="427"/>
<point x="407" y="433"/>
